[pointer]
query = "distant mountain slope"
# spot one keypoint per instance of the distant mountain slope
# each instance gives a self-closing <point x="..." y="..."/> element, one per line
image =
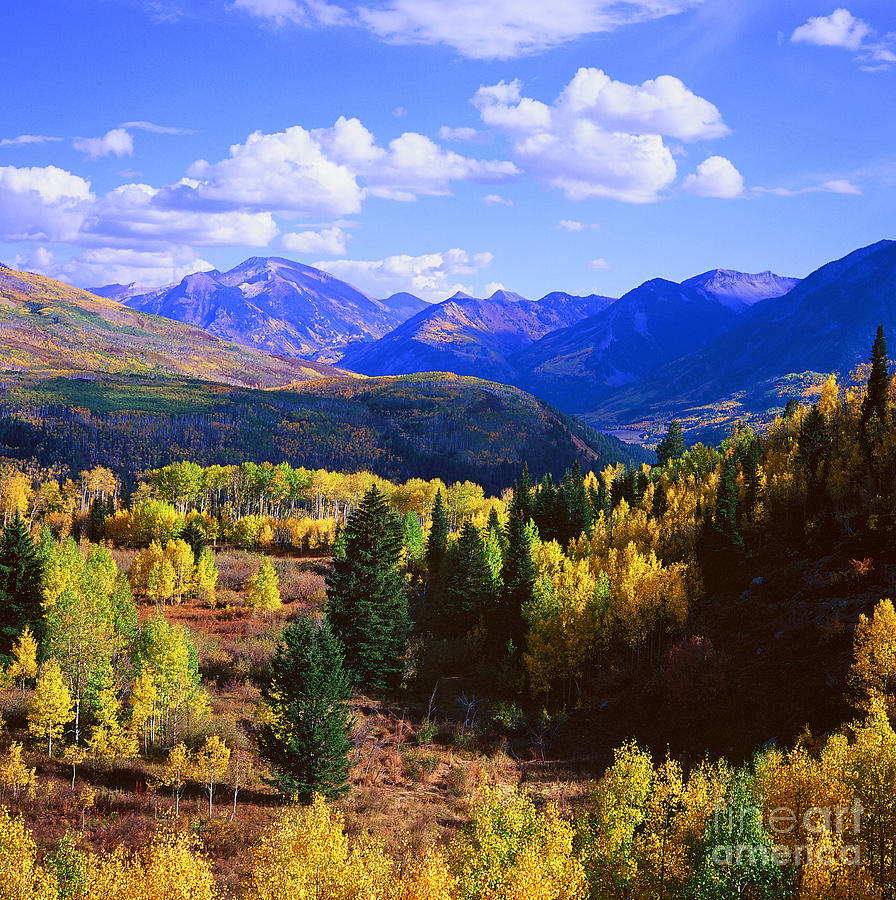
<point x="423" y="425"/>
<point x="825" y="324"/>
<point x="49" y="328"/>
<point x="278" y="305"/>
<point x="647" y="327"/>
<point x="470" y="336"/>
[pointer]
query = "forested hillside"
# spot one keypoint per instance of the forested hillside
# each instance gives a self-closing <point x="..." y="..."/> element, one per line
<point x="422" y="425"/>
<point x="614" y="685"/>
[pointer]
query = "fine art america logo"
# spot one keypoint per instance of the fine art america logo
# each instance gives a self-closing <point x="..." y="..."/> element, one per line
<point x="817" y="822"/>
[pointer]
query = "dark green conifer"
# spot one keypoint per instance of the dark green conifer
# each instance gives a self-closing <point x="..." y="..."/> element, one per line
<point x="518" y="575"/>
<point x="875" y="406"/>
<point x="672" y="445"/>
<point x="725" y="517"/>
<point x="436" y="543"/>
<point x="306" y="741"/>
<point x="368" y="605"/>
<point x="467" y="595"/>
<point x="522" y="495"/>
<point x="21" y="587"/>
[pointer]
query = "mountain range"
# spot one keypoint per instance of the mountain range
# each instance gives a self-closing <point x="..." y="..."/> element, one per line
<point x="471" y="336"/>
<point x="718" y="346"/>
<point x="276" y="305"/>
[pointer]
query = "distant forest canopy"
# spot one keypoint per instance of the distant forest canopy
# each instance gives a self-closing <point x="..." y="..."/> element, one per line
<point x="426" y="426"/>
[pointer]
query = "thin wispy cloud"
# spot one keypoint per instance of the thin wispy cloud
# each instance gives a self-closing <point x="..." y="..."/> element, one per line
<point x="156" y="129"/>
<point x="23" y="140"/>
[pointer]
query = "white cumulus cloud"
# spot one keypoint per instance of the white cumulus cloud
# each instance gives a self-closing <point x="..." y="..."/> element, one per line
<point x="715" y="177"/>
<point x="599" y="264"/>
<point x="600" y="137"/>
<point x="42" y="203"/>
<point x="330" y="241"/>
<point x="117" y="142"/>
<point x="840" y="29"/>
<point x="111" y="265"/>
<point x="431" y="276"/>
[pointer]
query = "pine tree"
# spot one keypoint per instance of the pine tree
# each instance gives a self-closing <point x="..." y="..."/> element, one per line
<point x="436" y="543"/>
<point x="814" y="444"/>
<point x="467" y="596"/>
<point x="518" y="576"/>
<point x="725" y="518"/>
<point x="306" y="737"/>
<point x="21" y="589"/>
<point x="875" y="406"/>
<point x="672" y="446"/>
<point x="522" y="495"/>
<point x="660" y="500"/>
<point x="368" y="605"/>
<point x="549" y="510"/>
<point x="578" y="510"/>
<point x="194" y="534"/>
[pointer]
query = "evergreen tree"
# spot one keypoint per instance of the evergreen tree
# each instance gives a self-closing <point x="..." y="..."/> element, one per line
<point x="368" y="606"/>
<point x="518" y="575"/>
<point x="725" y="518"/>
<point x="21" y="589"/>
<point x="306" y="738"/>
<point x="522" y="495"/>
<point x="467" y="596"/>
<point x="194" y="534"/>
<point x="436" y="542"/>
<point x="814" y="444"/>
<point x="548" y="510"/>
<point x="578" y="511"/>
<point x="875" y="408"/>
<point x="752" y="480"/>
<point x="660" y="501"/>
<point x="672" y="445"/>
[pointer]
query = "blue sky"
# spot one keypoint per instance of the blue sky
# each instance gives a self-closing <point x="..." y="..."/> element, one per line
<point x="578" y="145"/>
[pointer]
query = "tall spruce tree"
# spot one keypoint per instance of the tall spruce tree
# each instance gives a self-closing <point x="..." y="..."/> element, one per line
<point x="518" y="575"/>
<point x="368" y="605"/>
<point x="875" y="406"/>
<point x="578" y="510"/>
<point x="725" y="517"/>
<point x="522" y="495"/>
<point x="436" y="543"/>
<point x="306" y="740"/>
<point x="467" y="593"/>
<point x="672" y="445"/>
<point x="21" y="590"/>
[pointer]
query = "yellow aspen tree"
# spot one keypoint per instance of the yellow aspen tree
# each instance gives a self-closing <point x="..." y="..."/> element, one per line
<point x="144" y="701"/>
<point x="205" y="578"/>
<point x="21" y="878"/>
<point x="180" y="556"/>
<point x="169" y="868"/>
<point x="51" y="707"/>
<point x="304" y="855"/>
<point x="210" y="765"/>
<point x="75" y="756"/>
<point x="15" y="775"/>
<point x="177" y="771"/>
<point x="264" y="593"/>
<point x="873" y="674"/>
<point x="24" y="659"/>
